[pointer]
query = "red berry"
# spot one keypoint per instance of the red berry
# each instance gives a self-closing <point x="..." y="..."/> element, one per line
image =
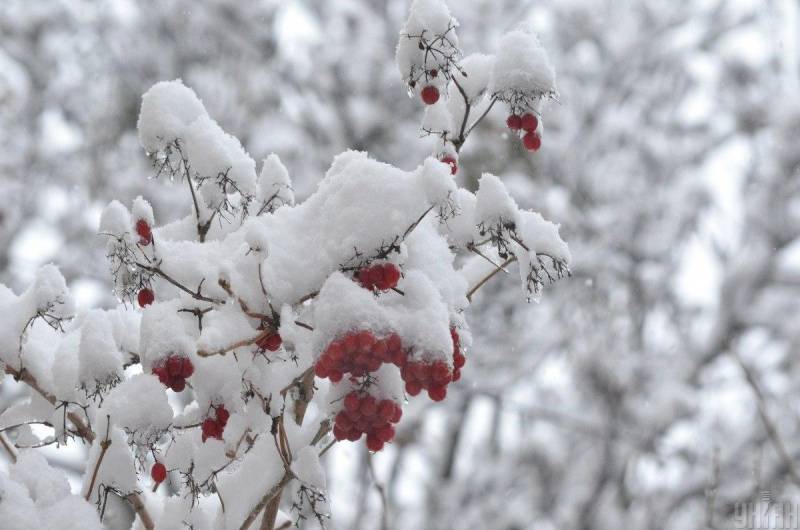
<point x="532" y="141"/>
<point x="514" y="122"/>
<point x="385" y="433"/>
<point x="350" y="342"/>
<point x="174" y="366"/>
<point x="440" y="373"/>
<point x="368" y="406"/>
<point x="343" y="421"/>
<point x="271" y="342"/>
<point x="320" y="370"/>
<point x="222" y="415"/>
<point x="158" y="472"/>
<point x="353" y="435"/>
<point x="437" y="392"/>
<point x="334" y="351"/>
<point x="459" y="360"/>
<point x="339" y="433"/>
<point x="433" y="72"/>
<point x="430" y="95"/>
<point x="413" y="388"/>
<point x="178" y="384"/>
<point x="145" y="234"/>
<point x="391" y="274"/>
<point x="398" y="413"/>
<point x="145" y="297"/>
<point x="374" y="443"/>
<point x="456" y="375"/>
<point x="335" y="376"/>
<point x="209" y="428"/>
<point x="449" y="160"/>
<point x="352" y="402"/>
<point x="529" y="122"/>
<point x="187" y="368"/>
<point x="386" y="409"/>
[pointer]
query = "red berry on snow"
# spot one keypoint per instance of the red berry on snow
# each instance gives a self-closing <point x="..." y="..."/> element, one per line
<point x="391" y="274"/>
<point x="532" y="141"/>
<point x="398" y="413"/>
<point x="353" y="435"/>
<point x="174" y="366"/>
<point x="449" y="160"/>
<point x="529" y="122"/>
<point x="335" y="376"/>
<point x="187" y="368"/>
<point x="222" y="414"/>
<point x="145" y="234"/>
<point x="430" y="95"/>
<point x="209" y="428"/>
<point x="158" y="472"/>
<point x="514" y="122"/>
<point x="178" y="384"/>
<point x="145" y="297"/>
<point x="320" y="370"/>
<point x="459" y="360"/>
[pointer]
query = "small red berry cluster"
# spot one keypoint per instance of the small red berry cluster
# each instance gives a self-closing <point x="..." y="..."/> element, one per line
<point x="363" y="414"/>
<point x="174" y="372"/>
<point x="270" y="342"/>
<point x="528" y="123"/>
<point x="379" y="276"/>
<point x="214" y="427"/>
<point x="358" y="353"/>
<point x="434" y="377"/>
<point x="145" y="232"/>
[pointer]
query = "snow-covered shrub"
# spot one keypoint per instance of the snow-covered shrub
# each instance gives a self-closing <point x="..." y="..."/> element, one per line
<point x="283" y="327"/>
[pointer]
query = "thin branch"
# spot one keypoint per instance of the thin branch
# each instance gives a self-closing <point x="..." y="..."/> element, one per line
<point x="769" y="425"/>
<point x="176" y="283"/>
<point x="104" y="445"/>
<point x="8" y="447"/>
<point x="489" y="276"/>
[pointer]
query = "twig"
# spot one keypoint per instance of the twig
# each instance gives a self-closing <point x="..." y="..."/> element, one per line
<point x="382" y="492"/>
<point x="769" y="425"/>
<point x="239" y="344"/>
<point x="8" y="447"/>
<point x="104" y="445"/>
<point x="489" y="276"/>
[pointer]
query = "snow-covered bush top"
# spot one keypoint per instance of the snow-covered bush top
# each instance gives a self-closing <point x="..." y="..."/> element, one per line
<point x="248" y="297"/>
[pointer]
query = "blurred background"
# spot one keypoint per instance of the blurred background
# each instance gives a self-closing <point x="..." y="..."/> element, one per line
<point x="657" y="388"/>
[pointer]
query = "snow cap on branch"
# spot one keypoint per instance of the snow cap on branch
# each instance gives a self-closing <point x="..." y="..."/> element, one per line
<point x="167" y="110"/>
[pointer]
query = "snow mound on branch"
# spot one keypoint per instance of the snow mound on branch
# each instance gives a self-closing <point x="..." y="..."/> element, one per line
<point x="494" y="205"/>
<point x="360" y="207"/>
<point x="274" y="184"/>
<point x="429" y="23"/>
<point x="139" y="404"/>
<point x="167" y="110"/>
<point x="522" y="65"/>
<point x="478" y="68"/>
<point x="162" y="333"/>
<point x="99" y="358"/>
<point x="212" y="152"/>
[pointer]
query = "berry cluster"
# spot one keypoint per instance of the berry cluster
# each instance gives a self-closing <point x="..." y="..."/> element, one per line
<point x="144" y="231"/>
<point x="174" y="371"/>
<point x="429" y="94"/>
<point x="528" y="123"/>
<point x="379" y="276"/>
<point x="433" y="377"/>
<point x="158" y="472"/>
<point x="214" y="427"/>
<point x="145" y="297"/>
<point x="363" y="414"/>
<point x="270" y="342"/>
<point x="358" y="353"/>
